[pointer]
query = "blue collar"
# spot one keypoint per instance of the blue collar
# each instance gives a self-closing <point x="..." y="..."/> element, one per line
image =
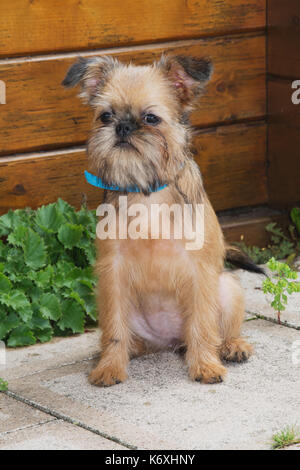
<point x="97" y="181"/>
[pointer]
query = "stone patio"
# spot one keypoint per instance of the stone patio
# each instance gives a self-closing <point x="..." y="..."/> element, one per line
<point x="51" y="405"/>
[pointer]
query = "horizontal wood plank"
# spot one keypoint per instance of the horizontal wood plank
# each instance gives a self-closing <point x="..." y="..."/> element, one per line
<point x="36" y="26"/>
<point x="232" y="160"/>
<point x="40" y="114"/>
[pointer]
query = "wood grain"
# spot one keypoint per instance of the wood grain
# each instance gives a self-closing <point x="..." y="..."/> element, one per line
<point x="36" y="26"/>
<point x="283" y="145"/>
<point x="232" y="160"/>
<point x="40" y="114"/>
<point x="284" y="35"/>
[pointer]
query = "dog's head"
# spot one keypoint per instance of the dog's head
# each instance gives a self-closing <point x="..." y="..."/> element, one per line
<point x="139" y="135"/>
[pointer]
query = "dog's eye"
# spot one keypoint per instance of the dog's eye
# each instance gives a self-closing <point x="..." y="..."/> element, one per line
<point x="105" y="117"/>
<point x="151" y="119"/>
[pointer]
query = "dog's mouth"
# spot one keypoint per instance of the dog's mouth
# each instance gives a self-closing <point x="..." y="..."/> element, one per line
<point x="123" y="144"/>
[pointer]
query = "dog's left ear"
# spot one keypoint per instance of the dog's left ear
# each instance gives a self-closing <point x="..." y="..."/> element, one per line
<point x="188" y="75"/>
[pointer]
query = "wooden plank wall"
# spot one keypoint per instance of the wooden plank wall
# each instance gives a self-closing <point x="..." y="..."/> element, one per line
<point x="43" y="127"/>
<point x="284" y="115"/>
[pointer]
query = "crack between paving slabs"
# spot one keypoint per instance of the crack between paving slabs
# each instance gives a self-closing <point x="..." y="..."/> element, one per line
<point x="68" y="419"/>
<point x="30" y="426"/>
<point x="272" y="320"/>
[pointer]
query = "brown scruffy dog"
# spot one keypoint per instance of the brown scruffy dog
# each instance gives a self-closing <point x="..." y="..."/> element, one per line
<point x="154" y="293"/>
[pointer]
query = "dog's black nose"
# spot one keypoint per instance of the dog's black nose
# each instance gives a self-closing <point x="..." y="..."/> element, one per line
<point x="125" y="128"/>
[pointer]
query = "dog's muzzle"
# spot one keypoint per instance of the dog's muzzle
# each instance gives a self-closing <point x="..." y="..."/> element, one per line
<point x="125" y="128"/>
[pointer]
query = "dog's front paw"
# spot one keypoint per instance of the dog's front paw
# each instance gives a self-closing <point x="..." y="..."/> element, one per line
<point x="237" y="350"/>
<point x="107" y="375"/>
<point x="208" y="373"/>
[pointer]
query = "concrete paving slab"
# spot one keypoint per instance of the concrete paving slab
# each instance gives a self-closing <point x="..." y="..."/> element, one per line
<point x="159" y="407"/>
<point x="21" y="362"/>
<point x="15" y="415"/>
<point x="56" y="435"/>
<point x="102" y="420"/>
<point x="259" y="303"/>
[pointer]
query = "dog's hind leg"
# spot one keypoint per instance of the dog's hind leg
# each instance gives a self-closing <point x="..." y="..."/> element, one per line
<point x="234" y="348"/>
<point x="139" y="347"/>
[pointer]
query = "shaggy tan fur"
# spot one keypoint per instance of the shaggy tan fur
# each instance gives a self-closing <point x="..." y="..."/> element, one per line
<point x="154" y="294"/>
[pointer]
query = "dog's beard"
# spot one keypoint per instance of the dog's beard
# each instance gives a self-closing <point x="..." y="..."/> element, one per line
<point x="141" y="162"/>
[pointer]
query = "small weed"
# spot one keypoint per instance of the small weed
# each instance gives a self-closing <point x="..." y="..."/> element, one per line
<point x="3" y="385"/>
<point x="280" y="285"/>
<point x="285" y="438"/>
<point x="282" y="246"/>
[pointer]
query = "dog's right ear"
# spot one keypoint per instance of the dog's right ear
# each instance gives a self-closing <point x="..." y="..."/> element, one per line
<point x="91" y="73"/>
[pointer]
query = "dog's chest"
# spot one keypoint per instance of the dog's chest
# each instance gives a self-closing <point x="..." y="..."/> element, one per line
<point x="158" y="321"/>
<point x="158" y="318"/>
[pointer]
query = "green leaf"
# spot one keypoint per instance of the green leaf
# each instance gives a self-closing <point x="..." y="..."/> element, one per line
<point x="38" y="321"/>
<point x="72" y="317"/>
<point x="276" y="231"/>
<point x="18" y="301"/>
<point x="69" y="235"/>
<point x="34" y="250"/>
<point x="3" y="385"/>
<point x="3" y="251"/>
<point x="90" y="306"/>
<point x="5" y="284"/>
<point x="7" y="323"/>
<point x="34" y="293"/>
<point x="44" y="335"/>
<point x="50" y="307"/>
<point x="15" y="267"/>
<point x="49" y="218"/>
<point x="15" y="219"/>
<point x="43" y="277"/>
<point x="53" y="246"/>
<point x="73" y="276"/>
<point x="74" y="295"/>
<point x="6" y="223"/>
<point x="89" y="249"/>
<point x="85" y="291"/>
<point x="67" y="210"/>
<point x="88" y="220"/>
<point x="62" y="270"/>
<point x="17" y="237"/>
<point x="21" y="336"/>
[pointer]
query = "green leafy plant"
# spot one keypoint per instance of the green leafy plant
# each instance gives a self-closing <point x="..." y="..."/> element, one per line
<point x="282" y="246"/>
<point x="280" y="285"/>
<point x="46" y="273"/>
<point x="3" y="385"/>
<point x="258" y="255"/>
<point x="285" y="438"/>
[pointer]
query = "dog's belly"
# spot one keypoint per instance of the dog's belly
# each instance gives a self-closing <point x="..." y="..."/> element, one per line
<point x="158" y="321"/>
